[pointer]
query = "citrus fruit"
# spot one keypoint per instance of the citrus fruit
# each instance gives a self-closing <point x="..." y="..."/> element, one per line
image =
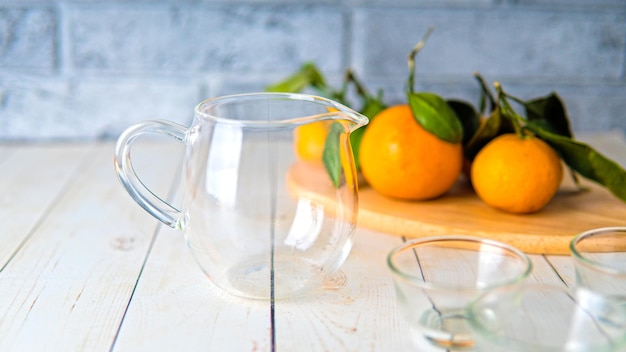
<point x="309" y="140"/>
<point x="516" y="174"/>
<point x="400" y="159"/>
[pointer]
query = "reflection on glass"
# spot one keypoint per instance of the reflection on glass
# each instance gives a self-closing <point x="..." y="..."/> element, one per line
<point x="223" y="164"/>
<point x="306" y="225"/>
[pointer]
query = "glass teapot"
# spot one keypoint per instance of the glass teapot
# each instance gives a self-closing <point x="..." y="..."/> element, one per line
<point x="260" y="222"/>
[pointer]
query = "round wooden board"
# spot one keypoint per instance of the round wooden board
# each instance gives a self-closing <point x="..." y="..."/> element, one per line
<point x="460" y="211"/>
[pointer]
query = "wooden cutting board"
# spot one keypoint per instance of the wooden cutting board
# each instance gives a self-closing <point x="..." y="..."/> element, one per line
<point x="461" y="212"/>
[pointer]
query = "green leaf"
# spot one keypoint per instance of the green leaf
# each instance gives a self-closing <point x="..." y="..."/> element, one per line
<point x="370" y="109"/>
<point x="436" y="116"/>
<point x="355" y="140"/>
<point x="470" y="119"/>
<point x="308" y="75"/>
<point x="331" y="154"/>
<point x="549" y="112"/>
<point x="431" y="111"/>
<point x="483" y="135"/>
<point x="586" y="161"/>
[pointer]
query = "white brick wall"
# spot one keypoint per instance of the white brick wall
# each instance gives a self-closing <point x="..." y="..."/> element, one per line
<point x="81" y="69"/>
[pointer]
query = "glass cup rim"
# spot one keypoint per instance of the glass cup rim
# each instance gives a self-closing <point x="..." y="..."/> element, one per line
<point x="202" y="109"/>
<point x="459" y="238"/>
<point x="586" y="261"/>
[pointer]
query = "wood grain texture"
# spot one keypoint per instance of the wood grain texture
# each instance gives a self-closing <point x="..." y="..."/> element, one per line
<point x="95" y="272"/>
<point x="460" y="211"/>
<point x="355" y="310"/>
<point x="29" y="184"/>
<point x="67" y="287"/>
<point x="176" y="306"/>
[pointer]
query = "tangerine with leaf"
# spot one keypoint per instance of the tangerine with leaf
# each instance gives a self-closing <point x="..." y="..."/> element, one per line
<point x="401" y="159"/>
<point x="413" y="151"/>
<point x="515" y="172"/>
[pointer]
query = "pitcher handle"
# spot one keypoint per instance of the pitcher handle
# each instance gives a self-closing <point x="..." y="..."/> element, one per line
<point x="153" y="204"/>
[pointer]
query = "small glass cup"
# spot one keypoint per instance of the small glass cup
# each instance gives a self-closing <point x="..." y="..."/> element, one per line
<point x="437" y="277"/>
<point x="546" y="318"/>
<point x="600" y="261"/>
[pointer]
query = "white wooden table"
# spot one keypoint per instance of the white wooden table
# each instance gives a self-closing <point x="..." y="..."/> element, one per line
<point x="84" y="268"/>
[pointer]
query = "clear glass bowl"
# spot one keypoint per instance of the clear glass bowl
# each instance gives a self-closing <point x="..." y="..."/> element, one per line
<point x="600" y="260"/>
<point x="437" y="277"/>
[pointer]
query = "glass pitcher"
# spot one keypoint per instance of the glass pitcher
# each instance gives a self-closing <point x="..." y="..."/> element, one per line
<point x="260" y="222"/>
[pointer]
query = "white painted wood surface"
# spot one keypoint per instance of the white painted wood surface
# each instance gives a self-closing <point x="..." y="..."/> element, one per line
<point x="83" y="268"/>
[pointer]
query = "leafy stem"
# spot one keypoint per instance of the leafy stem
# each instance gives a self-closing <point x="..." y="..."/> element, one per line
<point x="485" y="94"/>
<point x="430" y="110"/>
<point x="412" y="54"/>
<point x="546" y="119"/>
<point x="508" y="112"/>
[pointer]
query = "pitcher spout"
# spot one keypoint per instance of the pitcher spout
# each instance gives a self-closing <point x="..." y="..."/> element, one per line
<point x="354" y="120"/>
<point x="339" y="112"/>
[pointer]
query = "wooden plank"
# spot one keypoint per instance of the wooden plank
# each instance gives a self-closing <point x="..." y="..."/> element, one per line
<point x="544" y="271"/>
<point x="175" y="306"/>
<point x="32" y="178"/>
<point x="564" y="266"/>
<point x="5" y="151"/>
<point x="68" y="286"/>
<point x="356" y="309"/>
